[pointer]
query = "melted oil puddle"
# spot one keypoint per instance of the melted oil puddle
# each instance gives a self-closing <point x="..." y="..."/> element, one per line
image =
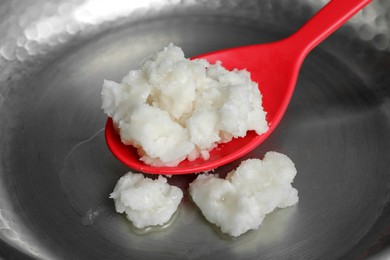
<point x="158" y="228"/>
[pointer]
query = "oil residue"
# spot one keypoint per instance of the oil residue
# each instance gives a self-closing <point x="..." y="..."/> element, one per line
<point x="88" y="176"/>
<point x="93" y="214"/>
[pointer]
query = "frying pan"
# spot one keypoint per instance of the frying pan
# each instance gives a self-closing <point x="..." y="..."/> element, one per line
<point x="56" y="171"/>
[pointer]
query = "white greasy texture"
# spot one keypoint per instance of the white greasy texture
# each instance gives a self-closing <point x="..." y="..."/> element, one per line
<point x="145" y="201"/>
<point x="173" y="108"/>
<point x="240" y="202"/>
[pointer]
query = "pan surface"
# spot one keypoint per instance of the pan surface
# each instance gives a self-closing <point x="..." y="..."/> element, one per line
<point x="56" y="172"/>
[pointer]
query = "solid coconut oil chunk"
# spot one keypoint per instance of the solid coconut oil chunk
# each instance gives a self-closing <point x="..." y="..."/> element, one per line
<point x="174" y="108"/>
<point x="241" y="201"/>
<point x="146" y="202"/>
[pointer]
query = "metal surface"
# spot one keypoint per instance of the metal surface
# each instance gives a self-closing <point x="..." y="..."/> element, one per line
<point x="56" y="171"/>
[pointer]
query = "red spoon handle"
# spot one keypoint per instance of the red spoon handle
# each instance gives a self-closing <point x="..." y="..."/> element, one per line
<point x="325" y="22"/>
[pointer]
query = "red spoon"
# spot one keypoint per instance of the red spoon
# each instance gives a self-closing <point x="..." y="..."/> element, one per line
<point x="274" y="66"/>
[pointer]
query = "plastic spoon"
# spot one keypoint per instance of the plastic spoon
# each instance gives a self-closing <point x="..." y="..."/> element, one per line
<point x="274" y="66"/>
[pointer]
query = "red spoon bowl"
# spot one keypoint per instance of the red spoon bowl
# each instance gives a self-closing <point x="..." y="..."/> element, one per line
<point x="274" y="66"/>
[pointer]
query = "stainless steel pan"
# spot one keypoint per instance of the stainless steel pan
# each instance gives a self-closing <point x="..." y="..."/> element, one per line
<point x="56" y="172"/>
